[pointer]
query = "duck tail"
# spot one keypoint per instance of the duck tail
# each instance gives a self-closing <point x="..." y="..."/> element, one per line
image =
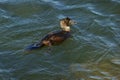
<point x="34" y="46"/>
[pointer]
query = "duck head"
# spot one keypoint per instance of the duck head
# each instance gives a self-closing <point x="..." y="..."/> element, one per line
<point x="66" y="23"/>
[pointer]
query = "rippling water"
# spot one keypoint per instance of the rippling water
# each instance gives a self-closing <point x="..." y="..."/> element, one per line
<point x="92" y="53"/>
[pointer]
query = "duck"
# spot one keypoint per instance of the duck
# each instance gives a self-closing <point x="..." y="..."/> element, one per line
<point x="55" y="37"/>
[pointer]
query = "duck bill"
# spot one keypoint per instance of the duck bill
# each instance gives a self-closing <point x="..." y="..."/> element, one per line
<point x="72" y="22"/>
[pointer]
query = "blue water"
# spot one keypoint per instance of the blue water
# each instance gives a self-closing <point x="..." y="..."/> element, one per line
<point x="92" y="53"/>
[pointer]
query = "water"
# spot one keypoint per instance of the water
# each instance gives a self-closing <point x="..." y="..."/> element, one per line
<point x="92" y="53"/>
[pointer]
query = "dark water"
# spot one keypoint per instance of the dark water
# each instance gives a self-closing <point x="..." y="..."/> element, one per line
<point x="92" y="53"/>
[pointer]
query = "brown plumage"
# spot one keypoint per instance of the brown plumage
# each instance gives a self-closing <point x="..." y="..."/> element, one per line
<point x="56" y="37"/>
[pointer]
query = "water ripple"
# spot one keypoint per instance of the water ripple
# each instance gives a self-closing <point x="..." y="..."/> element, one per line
<point x="55" y="4"/>
<point x="117" y="1"/>
<point x="94" y="45"/>
<point x="106" y="22"/>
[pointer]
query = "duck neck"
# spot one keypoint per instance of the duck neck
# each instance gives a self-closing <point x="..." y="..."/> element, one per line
<point x="66" y="28"/>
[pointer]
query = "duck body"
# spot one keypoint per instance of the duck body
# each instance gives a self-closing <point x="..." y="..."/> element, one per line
<point x="50" y="39"/>
<point x="55" y="37"/>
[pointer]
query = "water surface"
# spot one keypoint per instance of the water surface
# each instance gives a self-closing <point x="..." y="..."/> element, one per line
<point x="92" y="53"/>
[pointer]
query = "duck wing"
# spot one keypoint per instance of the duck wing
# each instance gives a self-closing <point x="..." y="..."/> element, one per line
<point x="56" y="37"/>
